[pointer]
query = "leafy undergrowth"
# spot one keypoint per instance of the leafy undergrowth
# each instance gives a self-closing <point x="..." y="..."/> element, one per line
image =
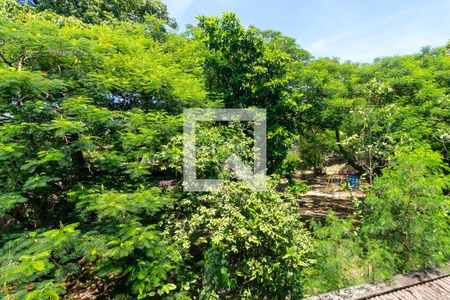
<point x="401" y="226"/>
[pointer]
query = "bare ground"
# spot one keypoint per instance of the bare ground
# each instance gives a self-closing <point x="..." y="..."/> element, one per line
<point x="328" y="192"/>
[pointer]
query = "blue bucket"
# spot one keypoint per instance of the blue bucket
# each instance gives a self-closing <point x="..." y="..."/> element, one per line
<point x="353" y="181"/>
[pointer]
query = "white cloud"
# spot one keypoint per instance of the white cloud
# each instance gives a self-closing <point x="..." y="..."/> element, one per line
<point x="398" y="33"/>
<point x="177" y="8"/>
<point x="323" y="43"/>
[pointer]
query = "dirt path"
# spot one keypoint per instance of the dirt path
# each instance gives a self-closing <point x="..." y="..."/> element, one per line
<point x="325" y="195"/>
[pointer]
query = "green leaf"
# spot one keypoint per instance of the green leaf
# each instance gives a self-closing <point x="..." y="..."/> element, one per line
<point x="38" y="265"/>
<point x="169" y="287"/>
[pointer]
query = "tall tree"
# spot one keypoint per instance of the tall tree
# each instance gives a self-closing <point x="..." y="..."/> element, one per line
<point x="95" y="11"/>
<point x="243" y="70"/>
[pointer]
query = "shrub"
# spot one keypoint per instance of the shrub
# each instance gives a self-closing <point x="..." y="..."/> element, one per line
<point x="240" y="244"/>
<point x="337" y="256"/>
<point x="408" y="211"/>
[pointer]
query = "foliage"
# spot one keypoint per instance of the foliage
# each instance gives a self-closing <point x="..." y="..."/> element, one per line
<point x="373" y="108"/>
<point x="407" y="212"/>
<point x="35" y="255"/>
<point x="91" y="102"/>
<point x="96" y="11"/>
<point x="314" y="147"/>
<point x="78" y="122"/>
<point x="244" y="71"/>
<point x="338" y="257"/>
<point x="297" y="188"/>
<point x="239" y="244"/>
<point x="401" y="226"/>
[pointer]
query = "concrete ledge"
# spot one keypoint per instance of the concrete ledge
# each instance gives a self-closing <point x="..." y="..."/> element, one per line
<point x="399" y="282"/>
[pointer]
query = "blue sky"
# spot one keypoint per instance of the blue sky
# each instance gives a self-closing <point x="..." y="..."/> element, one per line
<point x="350" y="29"/>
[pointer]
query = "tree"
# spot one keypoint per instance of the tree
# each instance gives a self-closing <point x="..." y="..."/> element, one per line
<point x="395" y="100"/>
<point x="93" y="11"/>
<point x="78" y="120"/>
<point x="407" y="210"/>
<point x="245" y="72"/>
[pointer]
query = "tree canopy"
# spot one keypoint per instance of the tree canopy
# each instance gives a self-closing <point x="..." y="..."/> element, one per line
<point x="95" y="11"/>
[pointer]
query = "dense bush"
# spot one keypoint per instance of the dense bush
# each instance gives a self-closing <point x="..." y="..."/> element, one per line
<point x="407" y="211"/>
<point x="239" y="244"/>
<point x="401" y="226"/>
<point x="337" y="256"/>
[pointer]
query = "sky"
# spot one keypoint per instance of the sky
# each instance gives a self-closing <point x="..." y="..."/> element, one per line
<point x="357" y="30"/>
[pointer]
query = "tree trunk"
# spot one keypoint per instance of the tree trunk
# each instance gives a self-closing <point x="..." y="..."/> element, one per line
<point x="78" y="161"/>
<point x="349" y="158"/>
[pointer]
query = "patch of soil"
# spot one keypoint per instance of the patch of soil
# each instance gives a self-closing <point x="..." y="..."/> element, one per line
<point x="87" y="286"/>
<point x="328" y="192"/>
